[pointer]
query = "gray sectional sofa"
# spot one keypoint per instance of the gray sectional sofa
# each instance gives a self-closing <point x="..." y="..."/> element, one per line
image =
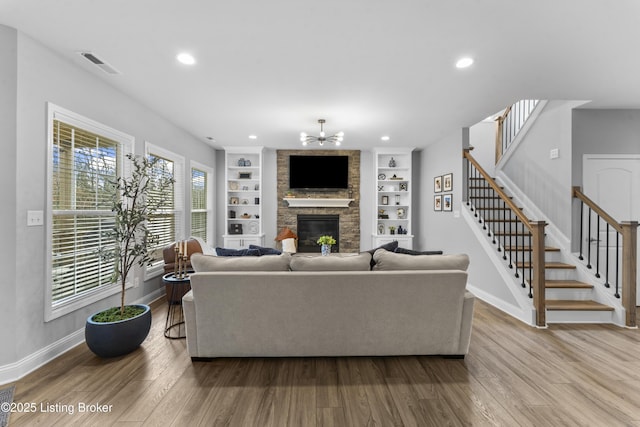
<point x="272" y="306"/>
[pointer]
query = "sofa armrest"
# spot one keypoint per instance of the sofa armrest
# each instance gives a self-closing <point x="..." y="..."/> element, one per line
<point x="467" y="320"/>
<point x="189" y="310"/>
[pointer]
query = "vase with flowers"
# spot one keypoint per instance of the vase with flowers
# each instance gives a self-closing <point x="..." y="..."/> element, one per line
<point x="326" y="242"/>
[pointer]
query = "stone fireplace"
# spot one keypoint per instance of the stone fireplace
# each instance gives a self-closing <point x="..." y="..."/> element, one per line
<point x="311" y="227"/>
<point x="348" y="217"/>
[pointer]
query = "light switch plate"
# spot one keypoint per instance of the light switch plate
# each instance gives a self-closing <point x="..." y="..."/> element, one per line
<point x="35" y="218"/>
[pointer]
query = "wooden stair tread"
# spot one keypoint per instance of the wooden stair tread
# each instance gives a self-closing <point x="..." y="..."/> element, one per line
<point x="560" y="265"/>
<point x="577" y="305"/>
<point x="528" y="248"/>
<point x="566" y="284"/>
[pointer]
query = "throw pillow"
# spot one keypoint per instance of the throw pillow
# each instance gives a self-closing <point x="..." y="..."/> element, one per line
<point x="203" y="263"/>
<point x="237" y="252"/>
<point x="391" y="246"/>
<point x="342" y="262"/>
<point x="265" y="251"/>
<point x="400" y="250"/>
<point x="391" y="261"/>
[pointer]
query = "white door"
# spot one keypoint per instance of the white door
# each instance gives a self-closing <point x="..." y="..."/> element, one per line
<point x="613" y="182"/>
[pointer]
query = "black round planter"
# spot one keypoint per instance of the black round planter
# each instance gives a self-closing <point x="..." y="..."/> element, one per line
<point x="118" y="338"/>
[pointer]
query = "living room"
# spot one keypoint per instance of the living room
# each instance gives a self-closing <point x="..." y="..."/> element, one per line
<point x="33" y="73"/>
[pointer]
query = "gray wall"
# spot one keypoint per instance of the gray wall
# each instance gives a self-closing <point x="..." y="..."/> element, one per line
<point x="482" y="137"/>
<point x="545" y="181"/>
<point x="603" y="132"/>
<point x="43" y="77"/>
<point x="8" y="103"/>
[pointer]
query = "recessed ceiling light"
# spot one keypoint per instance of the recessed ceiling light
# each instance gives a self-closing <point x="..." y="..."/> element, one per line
<point x="186" y="58"/>
<point x="253" y="137"/>
<point x="464" y="62"/>
<point x="385" y="138"/>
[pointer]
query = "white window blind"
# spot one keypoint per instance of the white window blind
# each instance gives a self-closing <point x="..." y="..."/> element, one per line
<point x="83" y="164"/>
<point x="168" y="221"/>
<point x="199" y="203"/>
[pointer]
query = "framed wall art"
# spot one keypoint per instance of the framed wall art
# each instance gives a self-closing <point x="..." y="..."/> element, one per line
<point x="447" y="202"/>
<point x="437" y="184"/>
<point x="447" y="182"/>
<point x="437" y="202"/>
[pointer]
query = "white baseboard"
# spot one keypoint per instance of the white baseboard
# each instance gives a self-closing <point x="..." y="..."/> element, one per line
<point x="15" y="371"/>
<point x="524" y="316"/>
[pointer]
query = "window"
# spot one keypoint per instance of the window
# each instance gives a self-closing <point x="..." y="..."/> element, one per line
<point x="84" y="158"/>
<point x="168" y="221"/>
<point x="201" y="202"/>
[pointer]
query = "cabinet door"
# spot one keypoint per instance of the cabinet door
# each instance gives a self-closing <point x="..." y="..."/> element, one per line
<point x="233" y="243"/>
<point x="252" y="241"/>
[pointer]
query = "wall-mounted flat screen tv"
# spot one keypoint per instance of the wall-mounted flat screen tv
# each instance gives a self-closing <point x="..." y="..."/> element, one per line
<point x="318" y="172"/>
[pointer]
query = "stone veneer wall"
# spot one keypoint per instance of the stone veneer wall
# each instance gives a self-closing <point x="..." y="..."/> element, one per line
<point x="349" y="217"/>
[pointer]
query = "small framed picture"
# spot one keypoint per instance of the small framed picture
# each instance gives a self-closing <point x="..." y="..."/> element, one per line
<point x="244" y="175"/>
<point x="447" y="182"/>
<point x="233" y="185"/>
<point x="447" y="202"/>
<point x="234" y="201"/>
<point x="385" y="200"/>
<point x="403" y="186"/>
<point x="437" y="184"/>
<point x="437" y="202"/>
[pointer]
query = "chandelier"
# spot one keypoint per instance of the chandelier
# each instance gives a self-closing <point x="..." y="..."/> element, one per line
<point x="333" y="139"/>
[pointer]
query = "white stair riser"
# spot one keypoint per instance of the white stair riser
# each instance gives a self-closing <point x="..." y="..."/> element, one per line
<point x="574" y="316"/>
<point x="569" y="294"/>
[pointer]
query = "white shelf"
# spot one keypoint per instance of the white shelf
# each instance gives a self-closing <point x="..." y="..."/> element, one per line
<point x="299" y="202"/>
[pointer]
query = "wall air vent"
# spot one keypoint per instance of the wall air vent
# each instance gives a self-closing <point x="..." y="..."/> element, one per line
<point x="99" y="63"/>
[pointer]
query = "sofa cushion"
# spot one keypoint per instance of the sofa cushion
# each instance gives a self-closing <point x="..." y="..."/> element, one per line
<point x="265" y="251"/>
<point x="386" y="260"/>
<point x="247" y="263"/>
<point x="391" y="246"/>
<point x="400" y="250"/>
<point x="343" y="262"/>
<point x="237" y="252"/>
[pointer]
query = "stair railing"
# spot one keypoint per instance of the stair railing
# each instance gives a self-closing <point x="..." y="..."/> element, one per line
<point x="510" y="122"/>
<point x="621" y="269"/>
<point x="505" y="223"/>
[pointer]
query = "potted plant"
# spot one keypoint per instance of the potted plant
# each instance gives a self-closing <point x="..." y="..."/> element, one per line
<point x="326" y="242"/>
<point x="120" y="330"/>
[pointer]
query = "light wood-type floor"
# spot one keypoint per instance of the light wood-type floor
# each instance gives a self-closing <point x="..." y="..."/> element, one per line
<point x="580" y="375"/>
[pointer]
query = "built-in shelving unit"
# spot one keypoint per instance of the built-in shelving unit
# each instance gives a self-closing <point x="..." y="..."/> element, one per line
<point x="243" y="190"/>
<point x="392" y="213"/>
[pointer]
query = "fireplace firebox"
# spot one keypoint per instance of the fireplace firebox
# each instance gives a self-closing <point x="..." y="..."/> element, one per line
<point x="311" y="227"/>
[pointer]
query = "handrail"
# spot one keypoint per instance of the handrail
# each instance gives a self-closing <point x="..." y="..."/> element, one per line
<point x="516" y="210"/>
<point x="578" y="194"/>
<point x="509" y="124"/>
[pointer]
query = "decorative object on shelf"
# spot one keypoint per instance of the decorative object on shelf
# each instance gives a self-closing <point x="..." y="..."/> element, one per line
<point x="401" y="230"/>
<point x="241" y="162"/>
<point x="382" y="214"/>
<point x="401" y="212"/>
<point x="380" y="187"/>
<point x="245" y="216"/>
<point x="447" y="202"/>
<point x="447" y="182"/>
<point x="437" y="184"/>
<point x="382" y="176"/>
<point x="253" y="227"/>
<point x="396" y="178"/>
<point x="232" y="214"/>
<point x="335" y="139"/>
<point x="244" y="202"/>
<point x="326" y="242"/>
<point x="256" y="200"/>
<point x="235" y="228"/>
<point x="380" y="228"/>
<point x="244" y="175"/>
<point x="233" y="186"/>
<point x="234" y="201"/>
<point x="247" y="163"/>
<point x="403" y="186"/>
<point x="437" y="202"/>
<point x="397" y="199"/>
<point x="392" y="163"/>
<point x="392" y="230"/>
<point x="256" y="187"/>
<point x="385" y="200"/>
<point x="245" y="188"/>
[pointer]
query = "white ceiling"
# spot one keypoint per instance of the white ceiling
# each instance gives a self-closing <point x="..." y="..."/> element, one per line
<point x="369" y="67"/>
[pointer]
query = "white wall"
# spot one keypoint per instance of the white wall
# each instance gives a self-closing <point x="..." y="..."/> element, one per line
<point x="482" y="137"/>
<point x="42" y="77"/>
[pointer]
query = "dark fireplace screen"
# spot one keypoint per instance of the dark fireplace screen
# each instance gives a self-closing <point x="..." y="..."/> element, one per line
<point x="311" y="227"/>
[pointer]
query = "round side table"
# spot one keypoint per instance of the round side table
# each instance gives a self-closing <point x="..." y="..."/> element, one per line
<point x="174" y="325"/>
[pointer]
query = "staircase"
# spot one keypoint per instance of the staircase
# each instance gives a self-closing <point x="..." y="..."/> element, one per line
<point x="506" y="226"/>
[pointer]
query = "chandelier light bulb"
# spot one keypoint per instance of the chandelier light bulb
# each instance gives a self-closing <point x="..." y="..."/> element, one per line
<point x="333" y="139"/>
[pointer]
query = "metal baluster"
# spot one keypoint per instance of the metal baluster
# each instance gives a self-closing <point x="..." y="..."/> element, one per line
<point x="511" y="224"/>
<point x="469" y="181"/>
<point x="516" y="248"/>
<point x="589" y="242"/>
<point x="581" y="227"/>
<point x="617" y="294"/>
<point x="530" y="264"/>
<point x="598" y="247"/>
<point x="606" y="282"/>
<point x="475" y="191"/>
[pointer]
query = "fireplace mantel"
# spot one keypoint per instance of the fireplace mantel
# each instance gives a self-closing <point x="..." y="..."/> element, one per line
<point x="299" y="202"/>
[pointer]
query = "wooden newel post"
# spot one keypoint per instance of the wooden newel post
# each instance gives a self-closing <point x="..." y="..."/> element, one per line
<point x="629" y="270"/>
<point x="537" y="263"/>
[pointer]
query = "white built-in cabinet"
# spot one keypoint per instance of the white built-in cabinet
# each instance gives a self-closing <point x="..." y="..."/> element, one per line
<point x="243" y="192"/>
<point x="392" y="211"/>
